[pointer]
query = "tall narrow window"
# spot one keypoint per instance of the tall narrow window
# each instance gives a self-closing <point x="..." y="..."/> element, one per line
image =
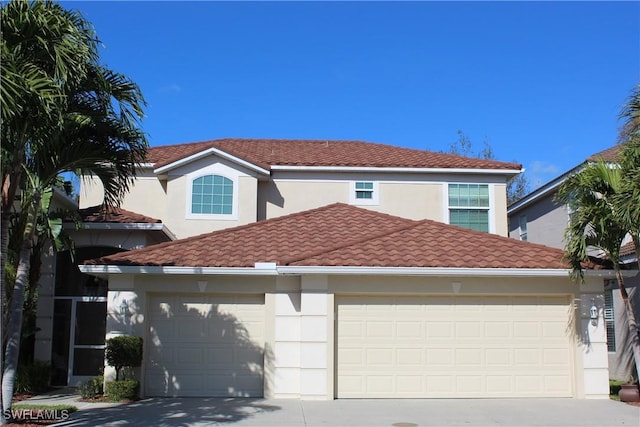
<point x="523" y="227"/>
<point x="609" y="320"/>
<point x="212" y="194"/>
<point x="469" y="206"/>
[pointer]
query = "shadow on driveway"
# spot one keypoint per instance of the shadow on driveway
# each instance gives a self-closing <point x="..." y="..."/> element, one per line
<point x="172" y="412"/>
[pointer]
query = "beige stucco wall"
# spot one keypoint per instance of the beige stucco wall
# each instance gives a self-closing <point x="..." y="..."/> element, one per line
<point x="179" y="222"/>
<point x="146" y="196"/>
<point x="500" y="210"/>
<point x="299" y="319"/>
<point x="412" y="196"/>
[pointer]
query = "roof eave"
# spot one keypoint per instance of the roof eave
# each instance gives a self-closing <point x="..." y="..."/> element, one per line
<point x="260" y="269"/>
<point x="129" y="226"/>
<point x="508" y="172"/>
<point x="270" y="269"/>
<point x="541" y="191"/>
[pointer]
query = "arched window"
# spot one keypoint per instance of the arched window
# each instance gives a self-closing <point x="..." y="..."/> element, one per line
<point x="212" y="195"/>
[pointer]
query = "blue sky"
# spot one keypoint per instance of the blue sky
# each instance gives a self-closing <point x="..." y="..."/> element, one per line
<point x="542" y="82"/>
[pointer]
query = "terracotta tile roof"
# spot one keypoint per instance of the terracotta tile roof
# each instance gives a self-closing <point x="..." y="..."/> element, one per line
<point x="608" y="155"/>
<point x="627" y="249"/>
<point x="343" y="235"/>
<point x="100" y="213"/>
<point x="283" y="152"/>
<point x="434" y="244"/>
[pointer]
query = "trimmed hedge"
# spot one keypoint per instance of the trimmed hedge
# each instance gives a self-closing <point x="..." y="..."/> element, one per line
<point x="32" y="378"/>
<point x="91" y="388"/>
<point x="123" y="351"/>
<point x="122" y="389"/>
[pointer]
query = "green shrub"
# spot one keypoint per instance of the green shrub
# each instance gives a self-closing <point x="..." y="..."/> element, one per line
<point x="91" y="388"/>
<point x="32" y="378"/>
<point x="614" y="387"/>
<point x="122" y="389"/>
<point x="124" y="350"/>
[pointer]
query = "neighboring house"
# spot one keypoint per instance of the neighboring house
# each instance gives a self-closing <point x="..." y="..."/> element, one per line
<point x="323" y="269"/>
<point x="539" y="218"/>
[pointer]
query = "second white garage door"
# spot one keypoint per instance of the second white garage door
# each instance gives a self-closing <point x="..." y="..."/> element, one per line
<point x="416" y="347"/>
<point x="205" y="345"/>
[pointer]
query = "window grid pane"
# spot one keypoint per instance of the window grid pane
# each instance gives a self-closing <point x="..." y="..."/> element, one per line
<point x="212" y="194"/>
<point x="364" y="190"/>
<point x="469" y="195"/>
<point x="470" y="218"/>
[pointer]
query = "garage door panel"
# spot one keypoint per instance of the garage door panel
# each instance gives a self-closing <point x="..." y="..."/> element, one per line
<point x="474" y="347"/>
<point x="205" y="345"/>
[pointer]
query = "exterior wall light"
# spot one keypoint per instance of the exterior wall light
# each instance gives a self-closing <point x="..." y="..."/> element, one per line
<point x="593" y="313"/>
<point x="124" y="307"/>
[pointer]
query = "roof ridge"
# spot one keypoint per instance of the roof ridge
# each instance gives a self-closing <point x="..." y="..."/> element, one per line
<point x="301" y="257"/>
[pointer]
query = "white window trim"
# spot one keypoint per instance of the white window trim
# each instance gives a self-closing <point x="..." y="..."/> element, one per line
<point x="375" y="196"/>
<point x="526" y="227"/>
<point x="491" y="208"/>
<point x="216" y="169"/>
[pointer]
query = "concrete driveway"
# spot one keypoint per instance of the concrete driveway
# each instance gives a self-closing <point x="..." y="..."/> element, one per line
<point x="360" y="412"/>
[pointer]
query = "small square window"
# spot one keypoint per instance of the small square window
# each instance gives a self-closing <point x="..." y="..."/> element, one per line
<point x="364" y="190"/>
<point x="364" y="193"/>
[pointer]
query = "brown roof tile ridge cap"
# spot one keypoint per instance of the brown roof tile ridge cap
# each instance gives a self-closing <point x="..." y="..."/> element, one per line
<point x="353" y="242"/>
<point x="211" y="234"/>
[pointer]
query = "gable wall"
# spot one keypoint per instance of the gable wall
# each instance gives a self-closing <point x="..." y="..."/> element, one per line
<point x="546" y="222"/>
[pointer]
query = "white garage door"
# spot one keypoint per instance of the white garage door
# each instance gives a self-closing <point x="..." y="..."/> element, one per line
<point x="414" y="347"/>
<point x="205" y="345"/>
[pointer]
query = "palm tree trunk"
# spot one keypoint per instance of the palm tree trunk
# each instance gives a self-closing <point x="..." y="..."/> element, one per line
<point x="634" y="333"/>
<point x="4" y="229"/>
<point x="14" y="327"/>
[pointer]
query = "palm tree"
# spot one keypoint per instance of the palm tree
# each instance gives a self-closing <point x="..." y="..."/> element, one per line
<point x="42" y="46"/>
<point x="90" y="126"/>
<point x="597" y="224"/>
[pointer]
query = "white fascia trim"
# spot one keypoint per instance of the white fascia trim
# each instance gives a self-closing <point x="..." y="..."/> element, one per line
<point x="426" y="271"/>
<point x="265" y="269"/>
<point x="141" y="226"/>
<point x="541" y="192"/>
<point x="146" y="165"/>
<point x="402" y="170"/>
<point x="207" y="152"/>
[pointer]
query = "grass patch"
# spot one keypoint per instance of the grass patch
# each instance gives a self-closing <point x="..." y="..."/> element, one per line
<point x="40" y="415"/>
<point x="30" y="406"/>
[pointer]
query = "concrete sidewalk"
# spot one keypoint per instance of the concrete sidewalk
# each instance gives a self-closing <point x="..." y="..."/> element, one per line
<point x="65" y="396"/>
<point x="357" y="412"/>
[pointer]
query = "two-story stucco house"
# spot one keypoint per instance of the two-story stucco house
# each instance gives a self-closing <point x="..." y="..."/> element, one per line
<point x="539" y="218"/>
<point x="332" y="269"/>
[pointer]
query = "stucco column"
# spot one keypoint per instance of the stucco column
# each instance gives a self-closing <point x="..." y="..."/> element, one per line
<point x="286" y="338"/>
<point x="316" y="314"/>
<point x="594" y="341"/>
<point x="122" y="323"/>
